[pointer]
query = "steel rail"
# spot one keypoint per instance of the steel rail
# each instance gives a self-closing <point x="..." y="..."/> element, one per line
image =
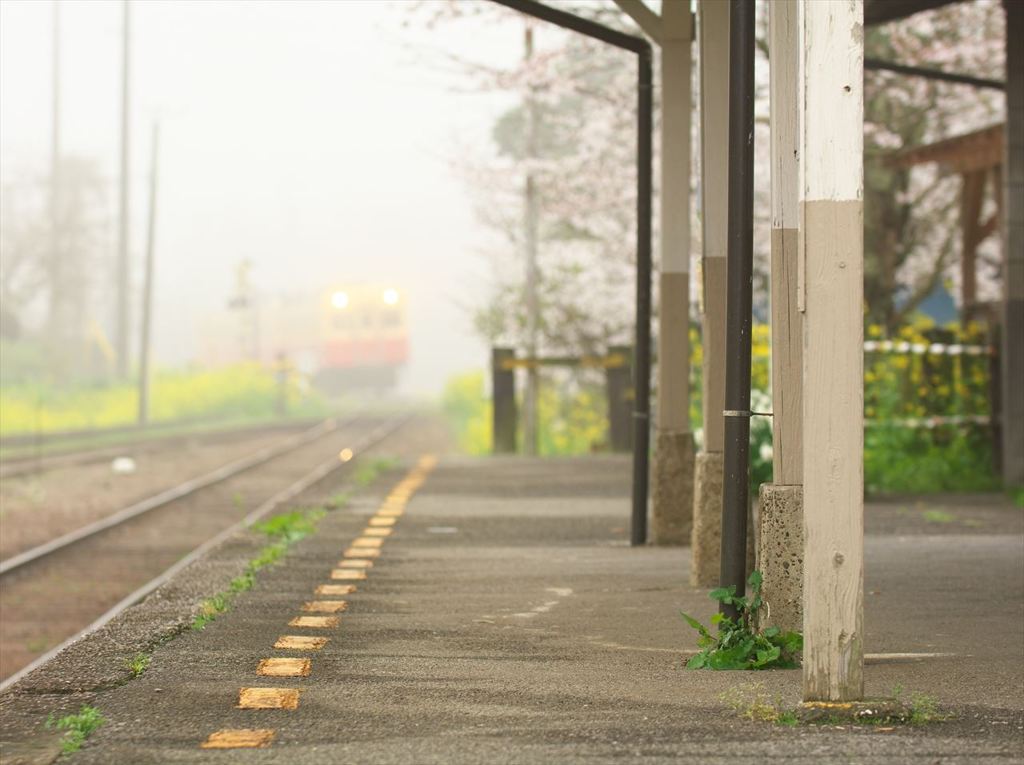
<point x="173" y="494"/>
<point x="309" y="480"/>
<point x="26" y="464"/>
<point x="31" y="439"/>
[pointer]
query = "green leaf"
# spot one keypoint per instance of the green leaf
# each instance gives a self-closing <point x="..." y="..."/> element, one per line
<point x="766" y="657"/>
<point x="730" y="658"/>
<point x="792" y="642"/>
<point x="701" y="629"/>
<point x="755" y="580"/>
<point x="723" y="594"/>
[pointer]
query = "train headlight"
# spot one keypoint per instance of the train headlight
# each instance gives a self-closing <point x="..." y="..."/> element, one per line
<point x="339" y="300"/>
<point x="391" y="296"/>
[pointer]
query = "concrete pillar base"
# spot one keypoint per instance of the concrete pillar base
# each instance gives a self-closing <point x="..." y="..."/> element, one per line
<point x="781" y="556"/>
<point x="707" y="519"/>
<point x="672" y="498"/>
<point x="705" y="568"/>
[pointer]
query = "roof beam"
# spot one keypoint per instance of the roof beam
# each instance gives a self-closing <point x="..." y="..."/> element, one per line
<point x="878" y="64"/>
<point x="645" y="18"/>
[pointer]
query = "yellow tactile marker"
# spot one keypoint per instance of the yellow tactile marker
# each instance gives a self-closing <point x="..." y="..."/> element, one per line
<point x="384" y="521"/>
<point x="239" y="738"/>
<point x="268" y="698"/>
<point x="362" y="552"/>
<point x="348" y="573"/>
<point x="373" y="531"/>
<point x="361" y="563"/>
<point x="300" y="643"/>
<point x="315" y="622"/>
<point x="335" y="589"/>
<point x="367" y="542"/>
<point x="325" y="606"/>
<point x="283" y="667"/>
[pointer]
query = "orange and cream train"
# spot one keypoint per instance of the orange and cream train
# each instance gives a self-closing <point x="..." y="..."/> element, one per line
<point x="346" y="337"/>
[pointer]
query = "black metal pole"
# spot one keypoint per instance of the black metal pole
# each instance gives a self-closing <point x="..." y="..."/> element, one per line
<point x="735" y="489"/>
<point x="642" y="372"/>
<point x="645" y="122"/>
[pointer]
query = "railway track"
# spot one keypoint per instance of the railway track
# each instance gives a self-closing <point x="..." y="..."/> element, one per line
<point x="56" y="592"/>
<point x="27" y="464"/>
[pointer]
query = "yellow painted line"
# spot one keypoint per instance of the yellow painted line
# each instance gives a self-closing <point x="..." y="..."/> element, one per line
<point x="268" y="698"/>
<point x="427" y="462"/>
<point x="349" y="574"/>
<point x="355" y="563"/>
<point x="325" y="606"/>
<point x="384" y="521"/>
<point x="239" y="738"/>
<point x="387" y="512"/>
<point x="300" y="643"/>
<point x="371" y="531"/>
<point x="367" y="542"/>
<point x="362" y="552"/>
<point x="316" y="622"/>
<point x="335" y="589"/>
<point x="284" y="667"/>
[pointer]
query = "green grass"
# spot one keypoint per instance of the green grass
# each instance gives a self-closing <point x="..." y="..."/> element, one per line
<point x="753" y="701"/>
<point x="924" y="709"/>
<point x="242" y="392"/>
<point x="284" y="530"/>
<point x="290" y="527"/>
<point x="78" y="728"/>
<point x="138" y="663"/>
<point x="938" y="516"/>
<point x="338" y="501"/>
<point x="367" y="472"/>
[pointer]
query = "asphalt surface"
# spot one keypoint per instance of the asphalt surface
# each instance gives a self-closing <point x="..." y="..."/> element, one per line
<point x="506" y="620"/>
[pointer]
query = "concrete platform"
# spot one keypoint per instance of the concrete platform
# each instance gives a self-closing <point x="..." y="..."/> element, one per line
<point x="506" y="620"/>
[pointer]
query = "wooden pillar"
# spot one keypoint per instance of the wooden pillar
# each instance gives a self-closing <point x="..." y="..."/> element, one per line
<point x="504" y="413"/>
<point x="787" y="325"/>
<point x="780" y="542"/>
<point x="672" y="500"/>
<point x="619" y="390"/>
<point x="713" y="54"/>
<point x="1012" y="361"/>
<point x="830" y="46"/>
<point x="972" y="192"/>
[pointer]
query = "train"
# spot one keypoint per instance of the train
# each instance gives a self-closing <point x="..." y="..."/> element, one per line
<point x="347" y="337"/>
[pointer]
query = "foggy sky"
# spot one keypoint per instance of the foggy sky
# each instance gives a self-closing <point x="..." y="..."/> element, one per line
<point x="312" y="138"/>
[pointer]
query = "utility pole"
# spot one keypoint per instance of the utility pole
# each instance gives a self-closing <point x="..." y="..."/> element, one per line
<point x="56" y="265"/>
<point x="147" y="291"/>
<point x="123" y="264"/>
<point x="532" y="276"/>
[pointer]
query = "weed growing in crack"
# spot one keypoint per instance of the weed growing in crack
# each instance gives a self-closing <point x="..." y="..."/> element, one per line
<point x="138" y="663"/>
<point x="738" y="644"/>
<point x="367" y="472"/>
<point x="285" y="530"/>
<point x="78" y="728"/>
<point x="753" y="702"/>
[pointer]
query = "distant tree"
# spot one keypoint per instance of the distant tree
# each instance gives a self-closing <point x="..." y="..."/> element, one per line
<point x="583" y="163"/>
<point x="47" y="272"/>
<point x="912" y="224"/>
